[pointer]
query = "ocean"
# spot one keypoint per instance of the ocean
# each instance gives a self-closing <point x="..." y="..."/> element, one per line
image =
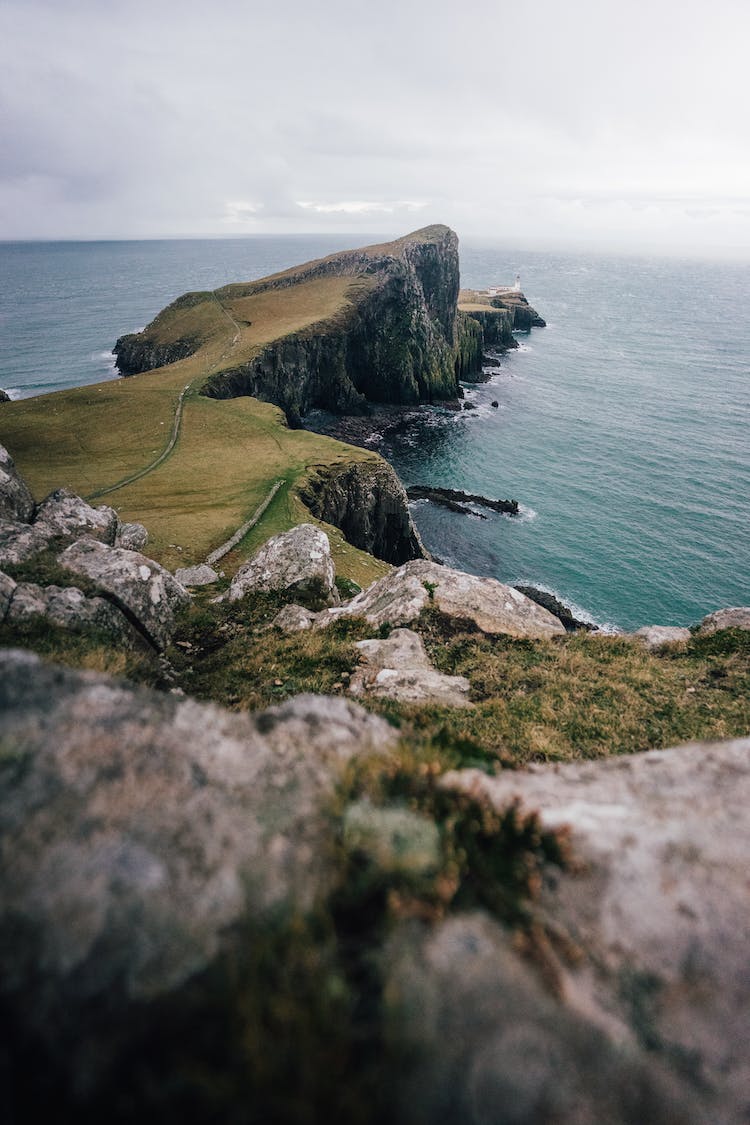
<point x="622" y="428"/>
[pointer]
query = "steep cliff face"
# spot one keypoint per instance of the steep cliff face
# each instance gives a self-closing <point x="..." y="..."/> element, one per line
<point x="368" y="503"/>
<point x="392" y="338"/>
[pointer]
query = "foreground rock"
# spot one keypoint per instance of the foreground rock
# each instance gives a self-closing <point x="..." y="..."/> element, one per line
<point x="657" y="636"/>
<point x="659" y="914"/>
<point x="16" y="501"/>
<point x="64" y="515"/>
<point x="131" y="536"/>
<point x="738" y="617"/>
<point x="399" y="668"/>
<point x="143" y="590"/>
<point x="400" y="597"/>
<point x="201" y="575"/>
<point x="138" y="830"/>
<point x="297" y="562"/>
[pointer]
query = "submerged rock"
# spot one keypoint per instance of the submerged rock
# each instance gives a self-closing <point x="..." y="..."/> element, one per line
<point x="658" y="911"/>
<point x="16" y="501"/>
<point x="296" y="562"/>
<point x="400" y="597"/>
<point x="399" y="668"/>
<point x="738" y="617"/>
<point x="143" y="589"/>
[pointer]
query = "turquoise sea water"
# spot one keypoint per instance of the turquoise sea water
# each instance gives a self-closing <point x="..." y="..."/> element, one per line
<point x="622" y="428"/>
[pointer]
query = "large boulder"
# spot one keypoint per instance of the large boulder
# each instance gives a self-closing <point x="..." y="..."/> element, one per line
<point x="144" y="590"/>
<point x="201" y="575"/>
<point x="68" y="608"/>
<point x="131" y="536"/>
<point x="399" y="668"/>
<point x="738" y="617"/>
<point x="296" y="562"/>
<point x="400" y="597"/>
<point x="658" y="911"/>
<point x="16" y="501"/>
<point x="20" y="542"/>
<point x="142" y="837"/>
<point x="655" y="637"/>
<point x="65" y="515"/>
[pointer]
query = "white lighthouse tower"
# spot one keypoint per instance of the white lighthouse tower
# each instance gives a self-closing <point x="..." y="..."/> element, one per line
<point x="517" y="286"/>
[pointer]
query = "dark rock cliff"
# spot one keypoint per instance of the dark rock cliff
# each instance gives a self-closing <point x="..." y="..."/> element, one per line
<point x="394" y="340"/>
<point x="365" y="500"/>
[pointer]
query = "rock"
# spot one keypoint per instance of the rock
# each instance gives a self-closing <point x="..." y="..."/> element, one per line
<point x="20" y="542"/>
<point x="144" y="837"/>
<point x="16" y="501"/>
<point x="296" y="562"/>
<point x="293" y="619"/>
<point x="495" y="404"/>
<point x="69" y="608"/>
<point x="659" y="908"/>
<point x="142" y="589"/>
<point x="399" y="668"/>
<point x="400" y="597"/>
<point x="131" y="536"/>
<point x="365" y="500"/>
<point x="4" y="396"/>
<point x="491" y="1046"/>
<point x="202" y="575"/>
<point x="7" y="586"/>
<point x="557" y="609"/>
<point x="456" y="499"/>
<point x="656" y="636"/>
<point x="393" y="839"/>
<point x="737" y="617"/>
<point x="470" y="406"/>
<point x="63" y="514"/>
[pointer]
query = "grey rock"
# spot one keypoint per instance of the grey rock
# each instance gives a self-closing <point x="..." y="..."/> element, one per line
<point x="20" y="542"/>
<point x="399" y="668"/>
<point x="656" y="636"/>
<point x="738" y="617"/>
<point x="293" y="619"/>
<point x="4" y="396"/>
<point x="399" y="598"/>
<point x="69" y="608"/>
<point x="296" y="562"/>
<point x="137" y="831"/>
<point x="202" y="575"/>
<point x="139" y="586"/>
<point x="395" y="840"/>
<point x="65" y="515"/>
<point x="131" y="536"/>
<point x="16" y="501"/>
<point x="491" y="1046"/>
<point x="659" y="910"/>
<point x="7" y="588"/>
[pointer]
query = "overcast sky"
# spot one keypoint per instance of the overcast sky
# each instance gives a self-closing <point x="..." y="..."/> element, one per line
<point x="583" y="123"/>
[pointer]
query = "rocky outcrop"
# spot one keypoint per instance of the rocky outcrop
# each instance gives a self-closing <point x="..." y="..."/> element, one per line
<point x="131" y="536"/>
<point x="4" y="396"/>
<point x="524" y="317"/>
<point x="484" y="603"/>
<point x="657" y="636"/>
<point x="367" y="502"/>
<point x="201" y="575"/>
<point x="67" y="607"/>
<point x="16" y="501"/>
<point x="469" y="346"/>
<point x="144" y="839"/>
<point x="658" y="910"/>
<point x="393" y="340"/>
<point x="63" y="514"/>
<point x="738" y="617"/>
<point x="296" y="562"/>
<point x="456" y="500"/>
<point x="399" y="668"/>
<point x="143" y="590"/>
<point x="555" y="606"/>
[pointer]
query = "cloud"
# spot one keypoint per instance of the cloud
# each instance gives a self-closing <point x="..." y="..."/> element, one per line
<point x="362" y="207"/>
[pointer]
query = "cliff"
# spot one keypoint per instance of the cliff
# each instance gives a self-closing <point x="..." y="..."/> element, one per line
<point x="379" y="325"/>
<point x="366" y="501"/>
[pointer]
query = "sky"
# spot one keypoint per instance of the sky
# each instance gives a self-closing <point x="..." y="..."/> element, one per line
<point x="584" y="124"/>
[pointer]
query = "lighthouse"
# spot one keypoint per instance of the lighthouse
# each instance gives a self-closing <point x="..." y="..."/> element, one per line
<point x="517" y="285"/>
